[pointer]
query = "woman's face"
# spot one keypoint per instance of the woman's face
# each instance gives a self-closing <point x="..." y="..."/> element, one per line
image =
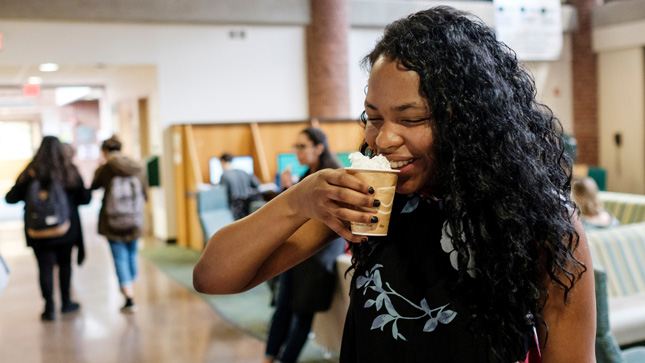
<point x="399" y="124"/>
<point x="307" y="153"/>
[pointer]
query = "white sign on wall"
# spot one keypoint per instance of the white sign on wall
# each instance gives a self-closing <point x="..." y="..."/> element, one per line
<point x="532" y="28"/>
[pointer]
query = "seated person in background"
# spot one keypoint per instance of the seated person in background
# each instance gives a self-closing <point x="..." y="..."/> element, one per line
<point x="592" y="214"/>
<point x="242" y="187"/>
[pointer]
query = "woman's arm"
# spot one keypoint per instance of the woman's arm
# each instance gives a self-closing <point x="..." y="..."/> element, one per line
<point x="82" y="194"/>
<point x="287" y="230"/>
<point x="18" y="191"/>
<point x="99" y="179"/>
<point x="572" y="327"/>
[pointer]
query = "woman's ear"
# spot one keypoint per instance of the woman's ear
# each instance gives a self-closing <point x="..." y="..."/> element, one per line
<point x="320" y="148"/>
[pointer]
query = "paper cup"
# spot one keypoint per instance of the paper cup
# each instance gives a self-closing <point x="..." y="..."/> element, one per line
<point x="384" y="184"/>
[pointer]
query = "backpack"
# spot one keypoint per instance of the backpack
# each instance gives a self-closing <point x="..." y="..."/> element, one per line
<point x="47" y="210"/>
<point x="123" y="204"/>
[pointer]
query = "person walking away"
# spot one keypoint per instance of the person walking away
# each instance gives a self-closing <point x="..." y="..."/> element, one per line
<point x="121" y="214"/>
<point x="52" y="190"/>
<point x="242" y="188"/>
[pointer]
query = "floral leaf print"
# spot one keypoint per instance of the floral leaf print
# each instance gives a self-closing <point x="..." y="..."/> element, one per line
<point x="446" y="316"/>
<point x="424" y="306"/>
<point x="384" y="299"/>
<point x="395" y="332"/>
<point x="448" y="247"/>
<point x="389" y="306"/>
<point x="381" y="320"/>
<point x="379" y="301"/>
<point x="376" y="276"/>
<point x="431" y="325"/>
<point x="411" y="205"/>
<point x="362" y="280"/>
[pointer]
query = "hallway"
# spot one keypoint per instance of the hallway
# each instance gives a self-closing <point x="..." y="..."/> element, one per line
<point x="172" y="324"/>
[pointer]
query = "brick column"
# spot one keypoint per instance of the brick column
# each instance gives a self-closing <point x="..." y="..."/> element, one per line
<point x="585" y="86"/>
<point x="327" y="72"/>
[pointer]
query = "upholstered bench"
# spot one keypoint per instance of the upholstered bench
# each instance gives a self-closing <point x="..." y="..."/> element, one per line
<point x="627" y="208"/>
<point x="213" y="210"/>
<point x="620" y="252"/>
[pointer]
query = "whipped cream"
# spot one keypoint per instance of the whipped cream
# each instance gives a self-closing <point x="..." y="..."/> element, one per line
<point x="360" y="161"/>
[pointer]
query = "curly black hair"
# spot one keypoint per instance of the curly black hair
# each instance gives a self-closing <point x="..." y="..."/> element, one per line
<point x="500" y="158"/>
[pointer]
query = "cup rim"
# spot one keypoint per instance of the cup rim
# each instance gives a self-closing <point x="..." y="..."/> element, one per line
<point x="376" y="170"/>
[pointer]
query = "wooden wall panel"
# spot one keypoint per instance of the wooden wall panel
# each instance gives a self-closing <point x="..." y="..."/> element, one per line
<point x="213" y="140"/>
<point x="194" y="145"/>
<point x="178" y="162"/>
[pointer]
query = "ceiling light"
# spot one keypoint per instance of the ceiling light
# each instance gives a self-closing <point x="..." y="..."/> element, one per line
<point x="34" y="80"/>
<point x="48" y="67"/>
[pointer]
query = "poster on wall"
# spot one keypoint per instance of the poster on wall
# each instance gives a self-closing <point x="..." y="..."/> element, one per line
<point x="532" y="28"/>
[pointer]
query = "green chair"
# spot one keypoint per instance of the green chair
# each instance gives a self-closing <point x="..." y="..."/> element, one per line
<point x="607" y="349"/>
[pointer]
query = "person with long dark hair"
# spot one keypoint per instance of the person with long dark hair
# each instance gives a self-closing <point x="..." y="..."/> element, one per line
<point x="308" y="287"/>
<point x="53" y="164"/>
<point x="485" y="258"/>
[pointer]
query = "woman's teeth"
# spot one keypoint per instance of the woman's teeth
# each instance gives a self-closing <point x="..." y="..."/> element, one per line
<point x="399" y="164"/>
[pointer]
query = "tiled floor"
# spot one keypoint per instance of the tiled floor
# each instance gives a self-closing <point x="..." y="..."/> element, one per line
<point x="172" y="324"/>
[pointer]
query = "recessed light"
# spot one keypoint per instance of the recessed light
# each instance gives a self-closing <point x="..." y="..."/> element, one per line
<point x="48" y="67"/>
<point x="34" y="80"/>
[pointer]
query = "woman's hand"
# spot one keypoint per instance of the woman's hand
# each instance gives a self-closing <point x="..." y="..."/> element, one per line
<point x="286" y="180"/>
<point x="333" y="197"/>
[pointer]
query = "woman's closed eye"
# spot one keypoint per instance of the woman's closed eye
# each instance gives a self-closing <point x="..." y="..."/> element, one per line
<point x="413" y="120"/>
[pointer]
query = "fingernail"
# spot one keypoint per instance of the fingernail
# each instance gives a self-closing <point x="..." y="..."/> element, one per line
<point x="374" y="219"/>
<point x="364" y="240"/>
<point x="371" y="190"/>
<point x="376" y="202"/>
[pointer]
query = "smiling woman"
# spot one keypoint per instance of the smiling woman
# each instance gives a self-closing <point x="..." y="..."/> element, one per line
<point x="484" y="254"/>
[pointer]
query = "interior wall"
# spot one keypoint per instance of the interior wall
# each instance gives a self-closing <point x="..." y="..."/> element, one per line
<point x="554" y="84"/>
<point x="202" y="74"/>
<point x="276" y="138"/>
<point x="621" y="108"/>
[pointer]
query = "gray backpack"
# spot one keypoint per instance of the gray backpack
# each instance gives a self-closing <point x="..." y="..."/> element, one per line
<point x="124" y="203"/>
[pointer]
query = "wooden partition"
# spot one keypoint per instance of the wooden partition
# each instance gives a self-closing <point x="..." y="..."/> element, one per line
<point x="194" y="145"/>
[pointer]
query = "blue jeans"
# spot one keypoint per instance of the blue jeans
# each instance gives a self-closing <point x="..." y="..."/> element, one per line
<point x="289" y="330"/>
<point x="125" y="261"/>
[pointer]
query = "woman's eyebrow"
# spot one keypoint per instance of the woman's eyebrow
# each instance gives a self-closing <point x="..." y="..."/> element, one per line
<point x="406" y="106"/>
<point x="370" y="106"/>
<point x="399" y="108"/>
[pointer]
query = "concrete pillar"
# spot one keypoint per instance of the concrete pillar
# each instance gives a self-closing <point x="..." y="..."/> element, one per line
<point x="327" y="59"/>
<point x="585" y="86"/>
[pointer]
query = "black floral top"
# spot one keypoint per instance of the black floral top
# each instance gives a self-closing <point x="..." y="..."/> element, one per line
<point x="402" y="308"/>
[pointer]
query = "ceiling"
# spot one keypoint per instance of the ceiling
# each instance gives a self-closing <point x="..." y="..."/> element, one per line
<point x="77" y="75"/>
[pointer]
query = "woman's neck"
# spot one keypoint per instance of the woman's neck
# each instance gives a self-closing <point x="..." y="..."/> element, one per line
<point x="314" y="167"/>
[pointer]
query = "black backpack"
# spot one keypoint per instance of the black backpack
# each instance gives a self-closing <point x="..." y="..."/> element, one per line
<point x="47" y="210"/>
<point x="123" y="205"/>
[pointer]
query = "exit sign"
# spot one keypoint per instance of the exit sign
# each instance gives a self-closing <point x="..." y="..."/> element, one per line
<point x="31" y="90"/>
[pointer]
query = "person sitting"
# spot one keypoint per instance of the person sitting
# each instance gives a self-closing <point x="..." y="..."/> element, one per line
<point x="592" y="214"/>
<point x="242" y="188"/>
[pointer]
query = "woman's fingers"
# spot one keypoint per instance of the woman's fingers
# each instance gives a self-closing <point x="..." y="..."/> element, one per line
<point x="337" y="198"/>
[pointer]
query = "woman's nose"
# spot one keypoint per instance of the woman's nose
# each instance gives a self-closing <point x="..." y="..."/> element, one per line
<point x="388" y="136"/>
